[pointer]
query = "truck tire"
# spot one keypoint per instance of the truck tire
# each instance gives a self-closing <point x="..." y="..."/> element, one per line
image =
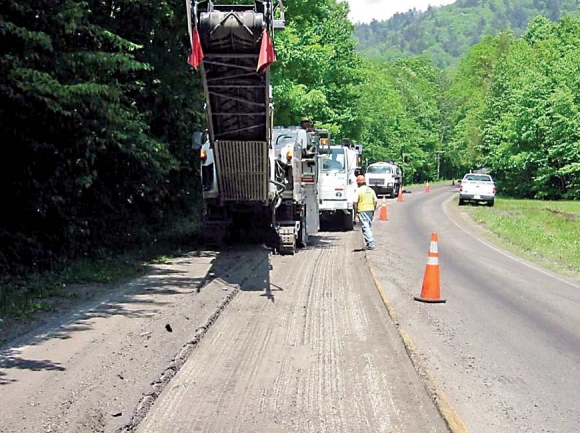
<point x="461" y="202"/>
<point x="396" y="190"/>
<point x="349" y="221"/>
<point x="490" y="203"/>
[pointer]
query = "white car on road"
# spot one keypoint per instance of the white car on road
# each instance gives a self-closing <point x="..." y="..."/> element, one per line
<point x="477" y="188"/>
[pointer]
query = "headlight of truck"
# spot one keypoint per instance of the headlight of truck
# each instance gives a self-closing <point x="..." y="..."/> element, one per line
<point x="390" y="184"/>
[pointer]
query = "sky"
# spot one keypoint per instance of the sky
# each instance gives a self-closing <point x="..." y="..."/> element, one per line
<point x="365" y="10"/>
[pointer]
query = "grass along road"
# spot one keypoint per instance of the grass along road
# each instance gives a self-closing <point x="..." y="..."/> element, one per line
<point x="544" y="232"/>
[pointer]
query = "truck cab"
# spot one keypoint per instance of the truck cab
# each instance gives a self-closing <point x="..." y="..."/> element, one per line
<point x="337" y="189"/>
<point x="385" y="178"/>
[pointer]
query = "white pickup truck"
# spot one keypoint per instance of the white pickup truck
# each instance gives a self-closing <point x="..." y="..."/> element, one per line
<point x="477" y="188"/>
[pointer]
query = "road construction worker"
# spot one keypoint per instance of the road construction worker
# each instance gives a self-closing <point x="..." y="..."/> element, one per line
<point x="364" y="209"/>
<point x="306" y="123"/>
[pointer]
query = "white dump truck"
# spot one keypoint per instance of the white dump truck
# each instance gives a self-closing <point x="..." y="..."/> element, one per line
<point x="386" y="178"/>
<point x="337" y="188"/>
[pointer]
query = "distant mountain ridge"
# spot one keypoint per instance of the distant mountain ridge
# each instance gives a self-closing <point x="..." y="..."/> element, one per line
<point x="446" y="33"/>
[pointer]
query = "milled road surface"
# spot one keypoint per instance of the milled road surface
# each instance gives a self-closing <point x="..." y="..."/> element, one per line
<point x="220" y="342"/>
<point x="317" y="354"/>
<point x="506" y="346"/>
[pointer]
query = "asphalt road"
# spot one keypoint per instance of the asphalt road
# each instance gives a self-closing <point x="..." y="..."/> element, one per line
<point x="505" y="347"/>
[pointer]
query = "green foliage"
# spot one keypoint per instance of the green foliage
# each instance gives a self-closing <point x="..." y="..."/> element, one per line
<point x="402" y="118"/>
<point x="446" y="33"/>
<point x="317" y="72"/>
<point x="511" y="106"/>
<point x="471" y="83"/>
<point x="97" y="112"/>
<point x="531" y="121"/>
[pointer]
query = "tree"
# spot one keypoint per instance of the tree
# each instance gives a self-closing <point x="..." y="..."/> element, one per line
<point x="85" y="169"/>
<point x="532" y="122"/>
<point x="317" y="70"/>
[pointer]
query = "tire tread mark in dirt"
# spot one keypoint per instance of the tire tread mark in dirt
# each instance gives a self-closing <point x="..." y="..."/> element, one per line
<point x="315" y="372"/>
<point x="259" y="354"/>
<point x="327" y="379"/>
<point x="285" y="377"/>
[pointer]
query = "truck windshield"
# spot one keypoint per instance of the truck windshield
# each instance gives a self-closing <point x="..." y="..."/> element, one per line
<point x="379" y="169"/>
<point x="333" y="161"/>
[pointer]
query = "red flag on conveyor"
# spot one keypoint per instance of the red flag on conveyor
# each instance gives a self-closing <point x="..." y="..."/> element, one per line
<point x="267" y="53"/>
<point x="196" y="55"/>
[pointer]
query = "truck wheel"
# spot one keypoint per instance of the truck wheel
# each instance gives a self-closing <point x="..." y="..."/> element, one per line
<point x="490" y="203"/>
<point x="461" y="202"/>
<point x="349" y="221"/>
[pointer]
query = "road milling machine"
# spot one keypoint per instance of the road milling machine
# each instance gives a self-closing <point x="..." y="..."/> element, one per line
<point x="259" y="182"/>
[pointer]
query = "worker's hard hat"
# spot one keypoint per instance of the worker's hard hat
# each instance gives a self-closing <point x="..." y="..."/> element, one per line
<point x="360" y="179"/>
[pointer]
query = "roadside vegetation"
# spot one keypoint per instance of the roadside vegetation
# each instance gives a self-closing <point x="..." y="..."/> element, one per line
<point x="545" y="232"/>
<point x="22" y="295"/>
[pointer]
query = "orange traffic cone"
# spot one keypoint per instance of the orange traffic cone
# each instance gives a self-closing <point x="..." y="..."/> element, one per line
<point x="427" y="187"/>
<point x="430" y="291"/>
<point x="400" y="196"/>
<point x="383" y="215"/>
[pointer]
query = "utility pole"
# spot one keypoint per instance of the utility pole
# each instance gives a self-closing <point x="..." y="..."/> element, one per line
<point x="439" y="153"/>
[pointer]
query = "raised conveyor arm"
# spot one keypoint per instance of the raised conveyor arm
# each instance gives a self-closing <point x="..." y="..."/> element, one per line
<point x="237" y="95"/>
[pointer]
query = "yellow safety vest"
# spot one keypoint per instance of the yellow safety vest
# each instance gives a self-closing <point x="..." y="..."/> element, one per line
<point x="366" y="199"/>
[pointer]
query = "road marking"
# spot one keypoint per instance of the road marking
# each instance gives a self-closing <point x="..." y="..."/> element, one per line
<point x="436" y="393"/>
<point x="505" y="253"/>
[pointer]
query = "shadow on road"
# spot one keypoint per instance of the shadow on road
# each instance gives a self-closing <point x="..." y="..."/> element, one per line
<point x="333" y="224"/>
<point x="247" y="266"/>
<point x="322" y="241"/>
<point x="4" y="380"/>
<point x="12" y="361"/>
<point x="141" y="298"/>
